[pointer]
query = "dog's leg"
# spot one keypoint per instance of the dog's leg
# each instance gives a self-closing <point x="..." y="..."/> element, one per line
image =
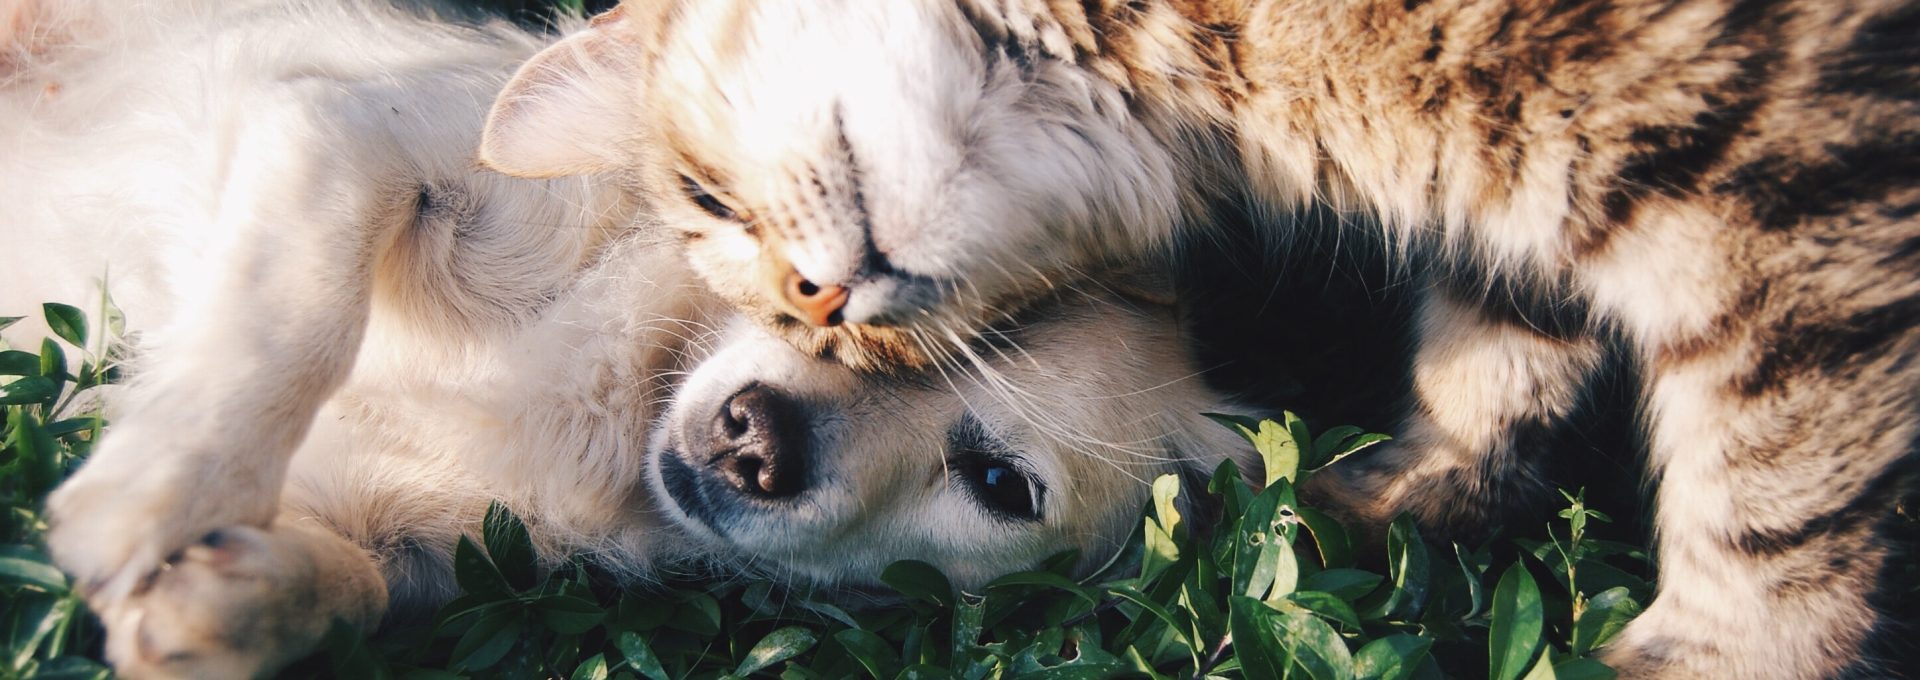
<point x="1488" y="390"/>
<point x="243" y="602"/>
<point x="267" y="331"/>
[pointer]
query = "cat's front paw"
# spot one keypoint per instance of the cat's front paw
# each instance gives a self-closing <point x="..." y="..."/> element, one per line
<point x="119" y="518"/>
<point x="239" y="603"/>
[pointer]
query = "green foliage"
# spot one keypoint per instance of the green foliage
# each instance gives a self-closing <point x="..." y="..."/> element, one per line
<point x="1273" y="591"/>
<point x="50" y="423"/>
<point x="1268" y="589"/>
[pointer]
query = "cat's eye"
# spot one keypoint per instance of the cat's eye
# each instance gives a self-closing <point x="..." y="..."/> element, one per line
<point x="698" y="193"/>
<point x="992" y="476"/>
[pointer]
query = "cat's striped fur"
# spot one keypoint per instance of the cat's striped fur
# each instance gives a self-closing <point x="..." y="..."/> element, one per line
<point x="1728" y="184"/>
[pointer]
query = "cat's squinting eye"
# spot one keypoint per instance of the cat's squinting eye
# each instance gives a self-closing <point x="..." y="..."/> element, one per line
<point x="698" y="193"/>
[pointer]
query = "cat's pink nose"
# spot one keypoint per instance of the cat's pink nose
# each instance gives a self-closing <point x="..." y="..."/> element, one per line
<point x="818" y="305"/>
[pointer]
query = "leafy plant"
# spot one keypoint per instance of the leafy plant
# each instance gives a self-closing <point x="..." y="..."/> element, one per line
<point x="1273" y="590"/>
<point x="51" y="422"/>
<point x="1267" y="588"/>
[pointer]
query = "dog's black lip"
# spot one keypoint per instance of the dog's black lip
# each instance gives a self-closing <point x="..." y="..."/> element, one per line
<point x="683" y="487"/>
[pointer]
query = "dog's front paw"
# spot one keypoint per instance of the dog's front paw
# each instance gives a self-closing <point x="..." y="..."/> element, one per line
<point x="239" y="603"/>
<point x="119" y="518"/>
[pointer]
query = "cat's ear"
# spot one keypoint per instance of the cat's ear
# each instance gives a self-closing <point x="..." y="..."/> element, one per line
<point x="566" y="109"/>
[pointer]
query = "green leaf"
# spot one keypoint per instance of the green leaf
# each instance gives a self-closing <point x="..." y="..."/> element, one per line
<point x="16" y="362"/>
<point x="1259" y="550"/>
<point x="34" y="618"/>
<point x="1156" y="609"/>
<point x="698" y="614"/>
<point x="969" y="614"/>
<point x="487" y="642"/>
<point x="919" y="580"/>
<point x="475" y="573"/>
<point x="1542" y="669"/>
<point x="1346" y="584"/>
<point x="871" y="651"/>
<point x="1603" y="618"/>
<point x="28" y="390"/>
<point x="116" y="320"/>
<point x="6" y="321"/>
<point x="1472" y="567"/>
<point x="1044" y="579"/>
<point x="509" y="547"/>
<point x="36" y="466"/>
<point x="569" y="615"/>
<point x="1328" y="443"/>
<point x="22" y="565"/>
<point x="1356" y="445"/>
<point x="1336" y="549"/>
<point x="640" y="656"/>
<point x="924" y="672"/>
<point x="594" y="668"/>
<point x="1518" y="619"/>
<point x="68" y="322"/>
<point x="348" y="653"/>
<point x="1314" y="646"/>
<point x="1583" y="669"/>
<point x="1324" y="605"/>
<point x="1279" y="453"/>
<point x="777" y="646"/>
<point x="1256" y="644"/>
<point x="1166" y="509"/>
<point x="1394" y="657"/>
<point x="1160" y="550"/>
<point x="72" y="668"/>
<point x="53" y="362"/>
<point x="1407" y="571"/>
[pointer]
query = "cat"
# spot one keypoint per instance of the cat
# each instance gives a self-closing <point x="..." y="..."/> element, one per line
<point x="1729" y="186"/>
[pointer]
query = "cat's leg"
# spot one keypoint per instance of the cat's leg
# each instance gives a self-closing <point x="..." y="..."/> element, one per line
<point x="244" y="602"/>
<point x="1783" y="439"/>
<point x="271" y="316"/>
<point x="1490" y="387"/>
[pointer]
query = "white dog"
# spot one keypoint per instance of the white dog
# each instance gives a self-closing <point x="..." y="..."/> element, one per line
<point x="352" y="339"/>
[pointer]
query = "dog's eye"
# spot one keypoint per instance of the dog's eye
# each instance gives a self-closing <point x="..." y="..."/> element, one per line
<point x="705" y="199"/>
<point x="991" y="475"/>
<point x="1001" y="487"/>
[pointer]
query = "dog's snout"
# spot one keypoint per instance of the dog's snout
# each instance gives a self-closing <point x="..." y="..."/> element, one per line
<point x="758" y="443"/>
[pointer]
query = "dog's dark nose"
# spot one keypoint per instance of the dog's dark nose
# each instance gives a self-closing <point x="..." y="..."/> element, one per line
<point x="758" y="444"/>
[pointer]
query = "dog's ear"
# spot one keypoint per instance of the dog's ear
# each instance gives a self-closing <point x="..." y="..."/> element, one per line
<point x="566" y="109"/>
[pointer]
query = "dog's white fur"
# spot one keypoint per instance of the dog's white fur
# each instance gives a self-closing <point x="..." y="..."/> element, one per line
<point x="351" y="339"/>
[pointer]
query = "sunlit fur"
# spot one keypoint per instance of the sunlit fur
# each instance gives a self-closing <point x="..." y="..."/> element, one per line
<point x="349" y="340"/>
<point x="1728" y="185"/>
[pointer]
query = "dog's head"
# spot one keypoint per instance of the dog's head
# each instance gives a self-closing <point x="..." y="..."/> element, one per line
<point x="801" y="469"/>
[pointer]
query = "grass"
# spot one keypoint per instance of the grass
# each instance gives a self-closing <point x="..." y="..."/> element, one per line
<point x="1272" y="589"/>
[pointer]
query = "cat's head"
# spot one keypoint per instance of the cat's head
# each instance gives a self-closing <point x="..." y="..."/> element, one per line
<point x="806" y="471"/>
<point x="874" y="181"/>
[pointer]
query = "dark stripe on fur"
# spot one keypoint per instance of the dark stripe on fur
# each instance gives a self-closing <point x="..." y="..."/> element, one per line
<point x="1829" y="346"/>
<point x="1881" y="61"/>
<point x="1861" y="513"/>
<point x="1550" y="309"/>
<point x="1784" y="191"/>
